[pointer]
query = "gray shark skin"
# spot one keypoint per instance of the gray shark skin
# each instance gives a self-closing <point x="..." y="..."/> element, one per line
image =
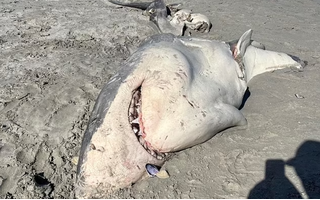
<point x="138" y="5"/>
<point x="158" y="13"/>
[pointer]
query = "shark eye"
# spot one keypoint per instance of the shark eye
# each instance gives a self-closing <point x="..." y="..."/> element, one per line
<point x="152" y="10"/>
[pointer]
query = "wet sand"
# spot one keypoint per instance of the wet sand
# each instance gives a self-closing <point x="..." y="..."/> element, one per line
<point x="56" y="55"/>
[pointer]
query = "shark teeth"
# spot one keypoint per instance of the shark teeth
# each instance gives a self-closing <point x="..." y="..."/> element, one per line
<point x="134" y="116"/>
<point x="135" y="121"/>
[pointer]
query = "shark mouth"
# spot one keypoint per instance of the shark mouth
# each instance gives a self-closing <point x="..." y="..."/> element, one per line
<point x="135" y="120"/>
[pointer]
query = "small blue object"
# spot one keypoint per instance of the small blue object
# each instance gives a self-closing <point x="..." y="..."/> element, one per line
<point x="152" y="170"/>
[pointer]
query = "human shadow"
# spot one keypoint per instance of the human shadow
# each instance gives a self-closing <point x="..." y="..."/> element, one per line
<point x="276" y="185"/>
<point x="307" y="165"/>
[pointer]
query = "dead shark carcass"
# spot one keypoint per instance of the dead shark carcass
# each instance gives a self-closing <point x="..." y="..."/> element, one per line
<point x="171" y="94"/>
<point x="169" y="18"/>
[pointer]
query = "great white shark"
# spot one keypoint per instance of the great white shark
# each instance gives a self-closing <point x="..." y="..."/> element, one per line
<point x="171" y="94"/>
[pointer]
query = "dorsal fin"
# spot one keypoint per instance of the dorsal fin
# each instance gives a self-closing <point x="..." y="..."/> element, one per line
<point x="242" y="44"/>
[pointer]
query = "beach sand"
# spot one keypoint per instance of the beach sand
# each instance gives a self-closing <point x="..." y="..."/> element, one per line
<point x="56" y="55"/>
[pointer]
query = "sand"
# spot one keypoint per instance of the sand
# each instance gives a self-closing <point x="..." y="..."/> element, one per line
<point x="56" y="55"/>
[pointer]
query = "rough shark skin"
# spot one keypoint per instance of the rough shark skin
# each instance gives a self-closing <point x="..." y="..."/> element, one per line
<point x="158" y="13"/>
<point x="191" y="89"/>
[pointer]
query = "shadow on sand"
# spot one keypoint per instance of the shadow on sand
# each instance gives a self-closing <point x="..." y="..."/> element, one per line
<point x="277" y="186"/>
